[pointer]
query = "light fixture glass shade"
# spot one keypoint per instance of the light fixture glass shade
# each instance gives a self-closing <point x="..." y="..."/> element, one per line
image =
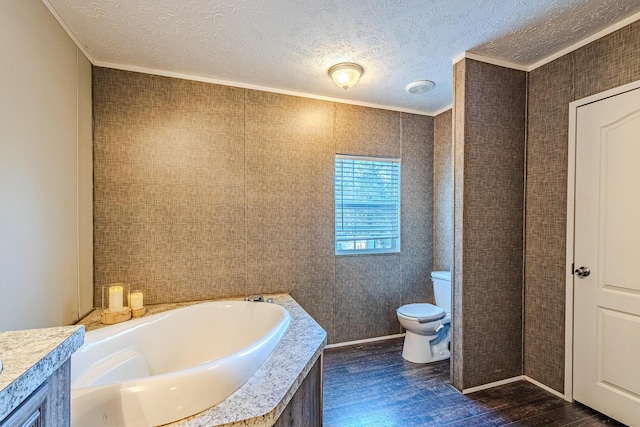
<point x="346" y="74"/>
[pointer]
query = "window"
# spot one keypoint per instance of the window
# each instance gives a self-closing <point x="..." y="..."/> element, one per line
<point x="367" y="205"/>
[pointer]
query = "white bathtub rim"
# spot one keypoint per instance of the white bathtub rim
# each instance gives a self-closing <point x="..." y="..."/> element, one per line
<point x="162" y="385"/>
<point x="279" y="329"/>
<point x="108" y="333"/>
<point x="261" y="400"/>
<point x="139" y="413"/>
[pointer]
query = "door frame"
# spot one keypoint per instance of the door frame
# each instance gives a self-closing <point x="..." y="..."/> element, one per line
<point x="571" y="181"/>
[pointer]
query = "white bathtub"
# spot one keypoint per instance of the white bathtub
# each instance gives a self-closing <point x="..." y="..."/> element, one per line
<point x="161" y="368"/>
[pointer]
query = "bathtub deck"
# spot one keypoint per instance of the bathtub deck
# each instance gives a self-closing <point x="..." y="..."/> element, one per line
<point x="372" y="385"/>
<point x="261" y="400"/>
<point x="30" y="357"/>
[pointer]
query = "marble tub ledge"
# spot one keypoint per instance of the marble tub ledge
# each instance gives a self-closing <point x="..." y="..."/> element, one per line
<point x="29" y="357"/>
<point x="263" y="398"/>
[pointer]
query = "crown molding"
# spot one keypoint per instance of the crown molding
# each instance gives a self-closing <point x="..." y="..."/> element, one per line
<point x="184" y="76"/>
<point x="490" y="60"/>
<point x="469" y="55"/>
<point x="610" y="29"/>
<point x="442" y="110"/>
<point x="528" y="68"/>
<point x="64" y="26"/>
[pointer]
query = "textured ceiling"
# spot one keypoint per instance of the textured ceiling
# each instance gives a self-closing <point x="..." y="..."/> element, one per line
<point x="290" y="44"/>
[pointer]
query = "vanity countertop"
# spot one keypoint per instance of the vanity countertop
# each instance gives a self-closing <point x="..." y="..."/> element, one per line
<point x="261" y="400"/>
<point x="29" y="357"/>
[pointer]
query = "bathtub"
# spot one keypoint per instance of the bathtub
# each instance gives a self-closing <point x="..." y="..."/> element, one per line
<point x="168" y="366"/>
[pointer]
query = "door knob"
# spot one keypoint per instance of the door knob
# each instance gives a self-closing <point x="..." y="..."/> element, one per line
<point x="582" y="272"/>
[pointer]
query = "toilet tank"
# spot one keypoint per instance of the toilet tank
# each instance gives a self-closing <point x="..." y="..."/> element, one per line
<point x="442" y="289"/>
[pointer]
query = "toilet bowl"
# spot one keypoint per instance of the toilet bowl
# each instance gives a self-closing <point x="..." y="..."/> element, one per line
<point x="428" y="326"/>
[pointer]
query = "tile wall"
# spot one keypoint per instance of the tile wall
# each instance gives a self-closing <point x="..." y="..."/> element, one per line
<point x="205" y="191"/>
<point x="457" y="273"/>
<point x="443" y="192"/>
<point x="604" y="64"/>
<point x="191" y="200"/>
<point x="490" y="112"/>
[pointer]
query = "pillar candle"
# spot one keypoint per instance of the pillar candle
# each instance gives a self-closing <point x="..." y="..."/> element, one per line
<point x="115" y="298"/>
<point x="137" y="300"/>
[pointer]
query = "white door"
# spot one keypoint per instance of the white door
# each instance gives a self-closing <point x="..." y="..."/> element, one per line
<point x="607" y="242"/>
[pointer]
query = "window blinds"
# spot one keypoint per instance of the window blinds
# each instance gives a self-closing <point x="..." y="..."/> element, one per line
<point x="367" y="194"/>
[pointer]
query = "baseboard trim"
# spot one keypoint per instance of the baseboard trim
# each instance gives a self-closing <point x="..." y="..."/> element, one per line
<point x="466" y="390"/>
<point x="547" y="388"/>
<point x="514" y="379"/>
<point x="364" y="341"/>
<point x="493" y="384"/>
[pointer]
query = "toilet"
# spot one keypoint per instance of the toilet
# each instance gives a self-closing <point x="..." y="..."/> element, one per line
<point x="428" y="326"/>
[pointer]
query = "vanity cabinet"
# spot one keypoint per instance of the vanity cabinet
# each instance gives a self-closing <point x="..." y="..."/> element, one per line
<point x="48" y="406"/>
<point x="36" y="376"/>
<point x="31" y="412"/>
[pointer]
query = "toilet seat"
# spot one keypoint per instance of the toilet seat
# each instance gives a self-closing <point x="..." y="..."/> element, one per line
<point x="422" y="312"/>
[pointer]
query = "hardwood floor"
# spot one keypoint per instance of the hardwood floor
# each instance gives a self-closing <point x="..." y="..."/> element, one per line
<point x="372" y="385"/>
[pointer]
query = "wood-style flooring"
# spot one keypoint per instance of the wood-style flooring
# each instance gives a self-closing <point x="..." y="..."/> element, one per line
<point x="372" y="385"/>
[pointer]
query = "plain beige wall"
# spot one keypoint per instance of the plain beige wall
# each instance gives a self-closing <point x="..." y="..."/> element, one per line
<point x="46" y="271"/>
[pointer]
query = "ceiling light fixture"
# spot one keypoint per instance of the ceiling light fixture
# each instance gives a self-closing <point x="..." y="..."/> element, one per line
<point x="346" y="74"/>
<point x="419" y="87"/>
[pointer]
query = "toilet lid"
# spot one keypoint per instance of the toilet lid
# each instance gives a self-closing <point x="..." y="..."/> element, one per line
<point x="426" y="312"/>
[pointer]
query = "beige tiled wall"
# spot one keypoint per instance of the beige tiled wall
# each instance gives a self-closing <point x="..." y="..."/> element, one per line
<point x="417" y="208"/>
<point x="205" y="191"/>
<point x="550" y="92"/>
<point x="489" y="175"/>
<point x="169" y="185"/>
<point x="601" y="65"/>
<point x="443" y="192"/>
<point x="289" y="200"/>
<point x="457" y="273"/>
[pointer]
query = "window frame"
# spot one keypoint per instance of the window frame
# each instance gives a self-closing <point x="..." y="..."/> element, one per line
<point x="396" y="241"/>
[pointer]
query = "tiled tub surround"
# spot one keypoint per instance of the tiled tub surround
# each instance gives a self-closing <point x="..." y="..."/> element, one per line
<point x="29" y="357"/>
<point x="261" y="400"/>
